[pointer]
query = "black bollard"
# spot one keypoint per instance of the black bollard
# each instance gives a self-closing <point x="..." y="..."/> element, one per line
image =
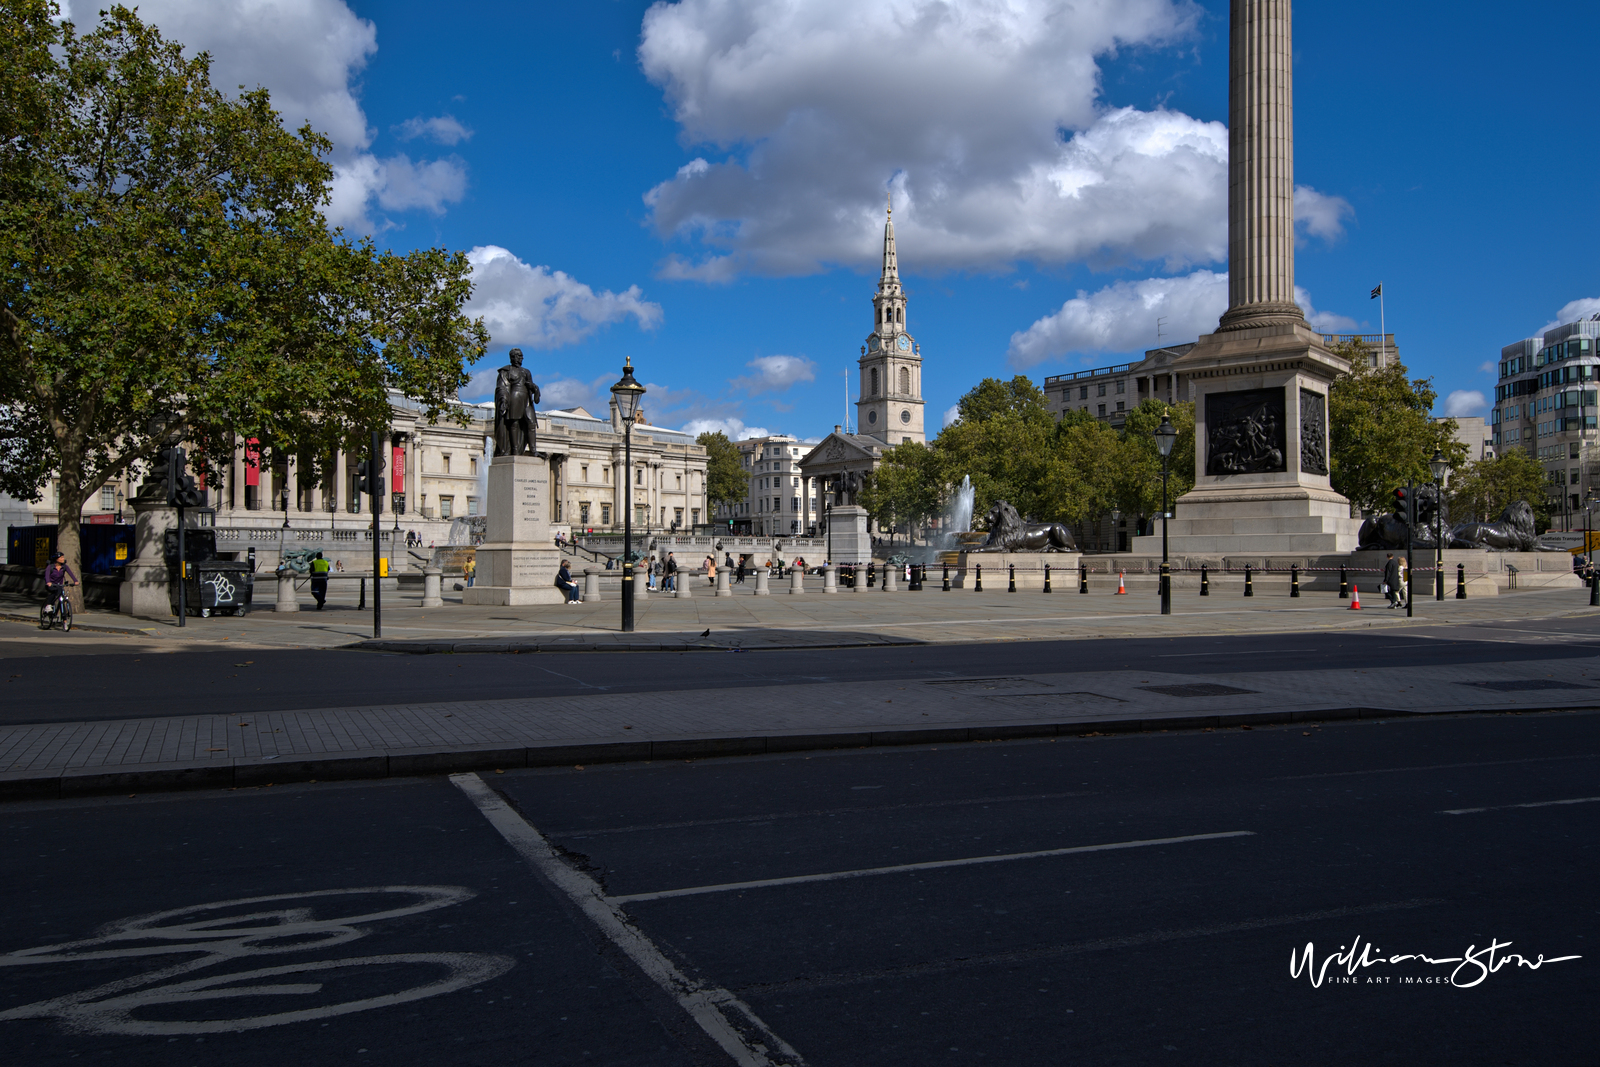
<point x="947" y="577"/>
<point x="1083" y="577"/>
<point x="1344" y="584"/>
<point x="1461" y="582"/>
<point x="1594" y="592"/>
<point x="977" y="582"/>
<point x="1012" y="570"/>
<point x="1294" y="579"/>
<point x="1047" y="577"/>
<point x="363" y="605"/>
<point x="1249" y="587"/>
<point x="1205" y="581"/>
<point x="871" y="576"/>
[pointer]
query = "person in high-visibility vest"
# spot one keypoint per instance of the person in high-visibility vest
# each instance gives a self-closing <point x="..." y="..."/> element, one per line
<point x="319" y="579"/>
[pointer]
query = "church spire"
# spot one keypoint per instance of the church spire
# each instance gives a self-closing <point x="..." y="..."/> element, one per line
<point x="891" y="267"/>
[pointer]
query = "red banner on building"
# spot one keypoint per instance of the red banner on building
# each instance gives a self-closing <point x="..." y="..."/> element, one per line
<point x="252" y="462"/>
<point x="399" y="469"/>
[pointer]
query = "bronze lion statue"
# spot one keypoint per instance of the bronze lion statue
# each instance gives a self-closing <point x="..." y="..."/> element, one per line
<point x="1512" y="532"/>
<point x="1009" y="532"/>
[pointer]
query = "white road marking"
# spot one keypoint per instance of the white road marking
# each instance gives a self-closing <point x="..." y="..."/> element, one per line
<point x="1253" y="652"/>
<point x="725" y="1018"/>
<point x="209" y="935"/>
<point x="1504" y="807"/>
<point x="934" y="865"/>
<point x="1434" y="767"/>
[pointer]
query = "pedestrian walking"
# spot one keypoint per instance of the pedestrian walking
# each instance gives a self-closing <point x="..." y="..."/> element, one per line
<point x="1405" y="582"/>
<point x="319" y="579"/>
<point x="711" y="569"/>
<point x="738" y="575"/>
<point x="671" y="585"/>
<point x="1391" y="580"/>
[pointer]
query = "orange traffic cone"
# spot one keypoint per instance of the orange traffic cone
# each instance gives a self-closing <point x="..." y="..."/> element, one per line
<point x="1122" y="589"/>
<point x="1355" y="599"/>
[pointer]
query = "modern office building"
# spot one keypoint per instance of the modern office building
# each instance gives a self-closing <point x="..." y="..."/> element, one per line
<point x="1545" y="403"/>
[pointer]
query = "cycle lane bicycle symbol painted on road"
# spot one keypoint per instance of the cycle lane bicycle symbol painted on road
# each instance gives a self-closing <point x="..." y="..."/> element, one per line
<point x="230" y="931"/>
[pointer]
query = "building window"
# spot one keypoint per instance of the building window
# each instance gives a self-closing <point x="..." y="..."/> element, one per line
<point x="444" y="460"/>
<point x="1122" y="386"/>
<point x="677" y="516"/>
<point x="678" y="481"/>
<point x="605" y="474"/>
<point x="638" y="476"/>
<point x="472" y="505"/>
<point x="905" y="380"/>
<point x="583" y="513"/>
<point x="695" y="513"/>
<point x="108" y="498"/>
<point x="1083" y="392"/>
<point x="447" y="506"/>
<point x="605" y="514"/>
<point x="1119" y="405"/>
<point x="474" y="464"/>
<point x="874" y="381"/>
<point x="1102" y="389"/>
<point x="1102" y="408"/>
<point x="794" y="505"/>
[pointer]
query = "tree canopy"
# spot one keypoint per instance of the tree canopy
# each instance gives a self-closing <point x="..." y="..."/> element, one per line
<point x="726" y="479"/>
<point x="167" y="273"/>
<point x="1482" y="490"/>
<point x="1382" y="432"/>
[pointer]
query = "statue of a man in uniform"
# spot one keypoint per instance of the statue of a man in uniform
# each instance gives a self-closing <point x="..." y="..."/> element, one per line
<point x="515" y="394"/>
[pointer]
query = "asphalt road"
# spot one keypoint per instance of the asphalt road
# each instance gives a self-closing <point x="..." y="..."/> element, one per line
<point x="92" y="685"/>
<point x="1436" y="837"/>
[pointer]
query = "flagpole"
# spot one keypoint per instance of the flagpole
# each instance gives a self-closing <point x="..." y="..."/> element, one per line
<point x="1383" y="329"/>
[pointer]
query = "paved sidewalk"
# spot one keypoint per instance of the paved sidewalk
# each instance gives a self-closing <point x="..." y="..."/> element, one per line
<point x="67" y="759"/>
<point x="812" y="620"/>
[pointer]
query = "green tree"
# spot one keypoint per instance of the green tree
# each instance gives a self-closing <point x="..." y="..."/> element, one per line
<point x="726" y="479"/>
<point x="168" y="275"/>
<point x="1081" y="480"/>
<point x="1001" y="441"/>
<point x="907" y="489"/>
<point x="1139" y="467"/>
<point x="1381" y="430"/>
<point x="1482" y="490"/>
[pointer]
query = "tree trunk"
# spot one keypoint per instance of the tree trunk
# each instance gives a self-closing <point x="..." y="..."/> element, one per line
<point x="69" y="516"/>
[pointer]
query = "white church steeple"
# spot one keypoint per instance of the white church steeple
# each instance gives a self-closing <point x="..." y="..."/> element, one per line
<point x="890" y="407"/>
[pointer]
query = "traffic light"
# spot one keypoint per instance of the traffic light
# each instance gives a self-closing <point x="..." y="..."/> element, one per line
<point x="364" y="477"/>
<point x="1405" y="505"/>
<point x="181" y="490"/>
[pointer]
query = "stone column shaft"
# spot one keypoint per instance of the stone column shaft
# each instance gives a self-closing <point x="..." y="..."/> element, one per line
<point x="1260" y="166"/>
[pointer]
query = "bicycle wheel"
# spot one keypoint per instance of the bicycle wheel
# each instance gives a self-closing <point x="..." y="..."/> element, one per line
<point x="66" y="615"/>
<point x="44" y="616"/>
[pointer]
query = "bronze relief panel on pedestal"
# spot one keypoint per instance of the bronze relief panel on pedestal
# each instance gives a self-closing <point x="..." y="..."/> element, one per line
<point x="1245" y="432"/>
<point x="1313" y="432"/>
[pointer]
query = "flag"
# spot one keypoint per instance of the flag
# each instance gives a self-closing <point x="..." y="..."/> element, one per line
<point x="1377" y="292"/>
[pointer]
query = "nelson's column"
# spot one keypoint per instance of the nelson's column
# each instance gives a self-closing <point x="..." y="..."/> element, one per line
<point x="1260" y="382"/>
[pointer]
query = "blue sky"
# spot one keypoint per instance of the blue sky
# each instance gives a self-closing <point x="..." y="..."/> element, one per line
<point x="700" y="184"/>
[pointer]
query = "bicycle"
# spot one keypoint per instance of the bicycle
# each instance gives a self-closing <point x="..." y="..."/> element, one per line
<point x="57" y="609"/>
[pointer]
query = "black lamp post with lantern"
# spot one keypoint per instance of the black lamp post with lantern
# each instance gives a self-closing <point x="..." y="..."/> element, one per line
<point x="1440" y="466"/>
<point x="627" y="392"/>
<point x="1166" y="434"/>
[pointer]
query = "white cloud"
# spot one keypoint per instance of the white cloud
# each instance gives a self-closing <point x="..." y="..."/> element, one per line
<point x="1122" y="318"/>
<point x="307" y="53"/>
<point x="774" y="374"/>
<point x="1319" y="214"/>
<point x="1323" y="321"/>
<point x="952" y="415"/>
<point x="1464" y="402"/>
<point x="1572" y="311"/>
<point x="441" y="129"/>
<point x="426" y="186"/>
<point x="542" y="308"/>
<point x="734" y="428"/>
<point x="983" y="117"/>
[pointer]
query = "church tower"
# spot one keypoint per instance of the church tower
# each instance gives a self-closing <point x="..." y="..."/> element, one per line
<point x="890" y="407"/>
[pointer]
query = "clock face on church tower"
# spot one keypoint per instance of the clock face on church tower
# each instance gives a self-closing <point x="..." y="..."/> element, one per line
<point x="904" y="342"/>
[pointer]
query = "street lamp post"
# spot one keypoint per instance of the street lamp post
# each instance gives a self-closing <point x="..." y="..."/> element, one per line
<point x="1166" y="434"/>
<point x="1588" y="555"/>
<point x="1439" y="465"/>
<point x="627" y="392"/>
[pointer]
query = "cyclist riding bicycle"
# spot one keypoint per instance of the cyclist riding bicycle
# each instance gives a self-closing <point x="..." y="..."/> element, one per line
<point x="57" y="577"/>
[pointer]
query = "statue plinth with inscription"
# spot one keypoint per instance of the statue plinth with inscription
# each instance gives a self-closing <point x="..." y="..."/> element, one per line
<point x="517" y="562"/>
